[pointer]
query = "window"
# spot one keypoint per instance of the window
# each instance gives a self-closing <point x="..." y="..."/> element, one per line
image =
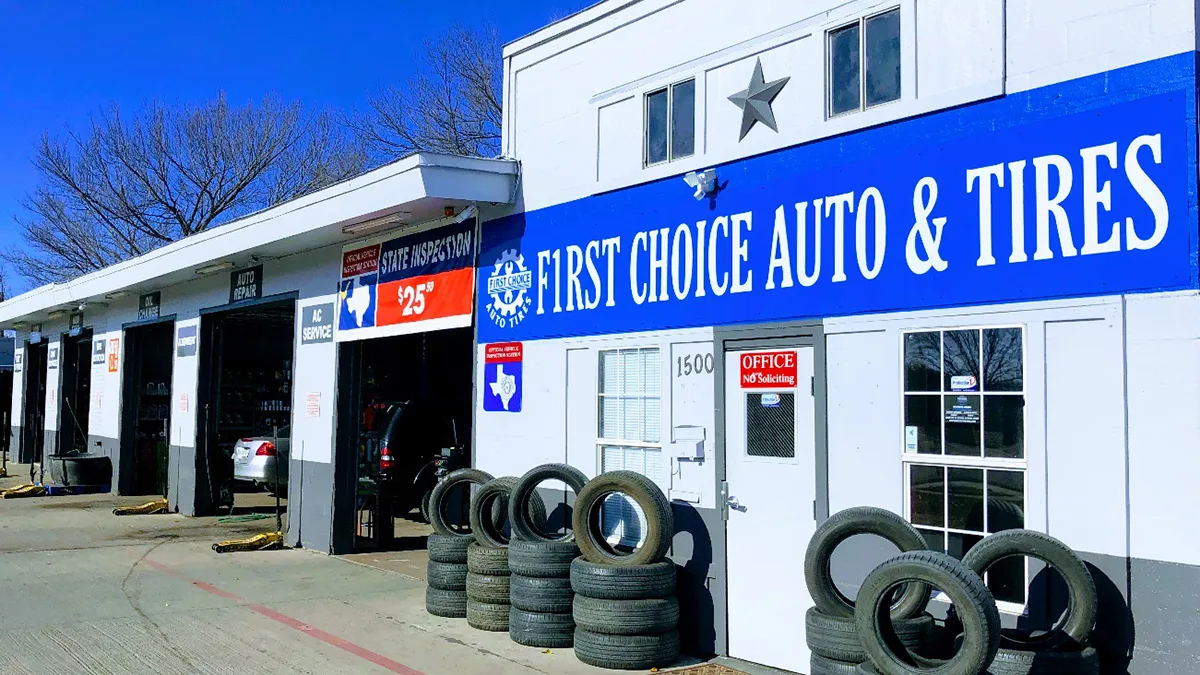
<point x="630" y="429"/>
<point x="964" y="442"/>
<point x="864" y="63"/>
<point x="671" y="123"/>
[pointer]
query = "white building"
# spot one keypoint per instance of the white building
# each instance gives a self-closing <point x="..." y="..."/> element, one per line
<point x="949" y="265"/>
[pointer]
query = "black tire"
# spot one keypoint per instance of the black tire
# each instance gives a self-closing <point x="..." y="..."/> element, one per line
<point x="492" y="590"/>
<point x="1012" y="662"/>
<point x="548" y="559"/>
<point x="445" y="549"/>
<point x="534" y="594"/>
<point x="973" y="602"/>
<point x="836" y="638"/>
<point x="840" y="527"/>
<point x="1076" y="625"/>
<point x="446" y="576"/>
<point x="626" y="617"/>
<point x="627" y="652"/>
<point x="819" y="665"/>
<point x="492" y="497"/>
<point x="524" y="490"/>
<point x="448" y="604"/>
<point x="488" y="561"/>
<point x="585" y="519"/>
<point x="425" y="500"/>
<point x="487" y="616"/>
<point x="437" y="511"/>
<point x="537" y="629"/>
<point x="605" y="582"/>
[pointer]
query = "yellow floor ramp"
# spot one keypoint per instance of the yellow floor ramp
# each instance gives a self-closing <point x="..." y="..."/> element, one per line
<point x="156" y="506"/>
<point x="259" y="542"/>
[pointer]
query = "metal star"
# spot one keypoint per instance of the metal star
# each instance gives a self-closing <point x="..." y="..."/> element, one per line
<point x="755" y="101"/>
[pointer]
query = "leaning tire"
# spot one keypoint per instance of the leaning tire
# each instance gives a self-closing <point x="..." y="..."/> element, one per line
<point x="446" y="576"/>
<point x="660" y="523"/>
<point x="605" y="582"/>
<point x="836" y="638"/>
<point x="1076" y="625"/>
<point x="486" y="616"/>
<point x="489" y="531"/>
<point x="840" y="527"/>
<point x="626" y="617"/>
<point x="492" y="590"/>
<point x="974" y="603"/>
<point x="545" y="559"/>
<point x="819" y="665"/>
<point x="487" y="561"/>
<point x="538" y="629"/>
<point x="425" y="500"/>
<point x="448" y="604"/>
<point x="627" y="652"/>
<point x="1012" y="662"/>
<point x="445" y="549"/>
<point x="522" y="496"/>
<point x="533" y="594"/>
<point x="437" y="506"/>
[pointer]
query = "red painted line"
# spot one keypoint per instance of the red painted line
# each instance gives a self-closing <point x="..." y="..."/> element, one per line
<point x="291" y="622"/>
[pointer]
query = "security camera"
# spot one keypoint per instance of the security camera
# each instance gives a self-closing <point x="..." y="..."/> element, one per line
<point x="705" y="182"/>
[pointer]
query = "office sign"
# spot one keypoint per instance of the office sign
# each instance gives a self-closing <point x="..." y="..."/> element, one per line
<point x="409" y="284"/>
<point x="185" y="341"/>
<point x="1060" y="192"/>
<point x="768" y="370"/>
<point x="98" y="352"/>
<point x="150" y="306"/>
<point x="316" y="323"/>
<point x="246" y="284"/>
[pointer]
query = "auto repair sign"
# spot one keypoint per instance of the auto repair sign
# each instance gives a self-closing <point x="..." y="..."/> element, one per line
<point x="410" y="284"/>
<point x="768" y="370"/>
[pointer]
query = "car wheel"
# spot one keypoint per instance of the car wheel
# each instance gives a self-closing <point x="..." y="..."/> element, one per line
<point x="437" y="506"/>
<point x="525" y="489"/>
<point x="660" y="523"/>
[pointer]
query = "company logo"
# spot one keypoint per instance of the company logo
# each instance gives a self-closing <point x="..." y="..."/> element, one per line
<point x="508" y="286"/>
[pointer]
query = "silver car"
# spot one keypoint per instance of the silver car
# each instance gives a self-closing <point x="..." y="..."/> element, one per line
<point x="257" y="459"/>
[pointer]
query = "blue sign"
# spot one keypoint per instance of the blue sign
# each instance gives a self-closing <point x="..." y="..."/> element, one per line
<point x="358" y="299"/>
<point x="502" y="366"/>
<point x="1083" y="188"/>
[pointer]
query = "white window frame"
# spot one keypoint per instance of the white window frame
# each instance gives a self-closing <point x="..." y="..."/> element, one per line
<point x="670" y="91"/>
<point x="944" y="461"/>
<point x="861" y="22"/>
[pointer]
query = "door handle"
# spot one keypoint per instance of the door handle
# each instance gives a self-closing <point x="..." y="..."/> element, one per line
<point x="734" y="504"/>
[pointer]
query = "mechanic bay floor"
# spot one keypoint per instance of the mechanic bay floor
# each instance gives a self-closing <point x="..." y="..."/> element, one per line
<point x="83" y="591"/>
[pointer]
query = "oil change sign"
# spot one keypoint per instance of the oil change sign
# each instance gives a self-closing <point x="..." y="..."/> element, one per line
<point x="768" y="370"/>
<point x="502" y="377"/>
<point x="410" y="284"/>
<point x="316" y="324"/>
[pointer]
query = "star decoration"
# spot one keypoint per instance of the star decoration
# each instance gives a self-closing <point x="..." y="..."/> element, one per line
<point x="755" y="101"/>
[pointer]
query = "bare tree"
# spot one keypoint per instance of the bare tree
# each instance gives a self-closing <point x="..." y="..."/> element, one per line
<point x="453" y="105"/>
<point x="127" y="185"/>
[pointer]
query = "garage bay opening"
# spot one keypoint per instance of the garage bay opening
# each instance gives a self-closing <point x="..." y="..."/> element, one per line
<point x="75" y="399"/>
<point x="245" y="413"/>
<point x="146" y="402"/>
<point x="33" y="411"/>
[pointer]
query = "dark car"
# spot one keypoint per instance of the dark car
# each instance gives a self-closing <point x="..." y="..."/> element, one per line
<point x="421" y="441"/>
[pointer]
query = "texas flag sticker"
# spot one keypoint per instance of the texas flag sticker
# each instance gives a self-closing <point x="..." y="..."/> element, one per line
<point x="502" y="377"/>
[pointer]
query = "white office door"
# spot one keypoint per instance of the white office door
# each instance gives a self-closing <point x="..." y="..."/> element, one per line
<point x="770" y="465"/>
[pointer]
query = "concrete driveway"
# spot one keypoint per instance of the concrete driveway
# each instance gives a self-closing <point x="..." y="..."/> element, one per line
<point x="83" y="591"/>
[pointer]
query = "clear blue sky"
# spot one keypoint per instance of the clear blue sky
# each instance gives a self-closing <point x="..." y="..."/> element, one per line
<point x="60" y="61"/>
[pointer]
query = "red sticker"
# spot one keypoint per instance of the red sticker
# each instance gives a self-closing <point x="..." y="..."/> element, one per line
<point x="360" y="261"/>
<point x="503" y="352"/>
<point x="769" y="370"/>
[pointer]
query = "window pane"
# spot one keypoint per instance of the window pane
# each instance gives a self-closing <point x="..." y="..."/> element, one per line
<point x="934" y="539"/>
<point x="651" y="419"/>
<point x="962" y="424"/>
<point x="610" y="378"/>
<point x="927" y="492"/>
<point x="923" y="362"/>
<point x="1006" y="500"/>
<point x="844" y="94"/>
<point x="883" y="58"/>
<point x="965" y="499"/>
<point x="1006" y="580"/>
<point x="961" y="348"/>
<point x="651" y="380"/>
<point x="683" y="119"/>
<point x="957" y="544"/>
<point x="1003" y="365"/>
<point x="611" y="417"/>
<point x="923" y="416"/>
<point x="771" y="425"/>
<point x="1004" y="426"/>
<point x="656" y="127"/>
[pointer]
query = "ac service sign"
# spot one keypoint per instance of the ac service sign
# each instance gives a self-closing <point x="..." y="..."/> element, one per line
<point x="410" y="284"/>
<point x="1051" y="193"/>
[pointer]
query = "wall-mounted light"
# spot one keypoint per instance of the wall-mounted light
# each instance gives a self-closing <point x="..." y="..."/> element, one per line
<point x="377" y="223"/>
<point x="704" y="182"/>
<point x="115" y="294"/>
<point x="56" y="314"/>
<point x="214" y="268"/>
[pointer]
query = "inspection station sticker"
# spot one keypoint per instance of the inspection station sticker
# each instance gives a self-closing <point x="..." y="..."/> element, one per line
<point x="769" y="370"/>
<point x="502" y="375"/>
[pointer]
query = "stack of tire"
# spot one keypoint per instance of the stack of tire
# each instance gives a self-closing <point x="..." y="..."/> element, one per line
<point x="488" y="573"/>
<point x="540" y="585"/>
<point x="446" y="572"/>
<point x="830" y="628"/>
<point x="625" y="609"/>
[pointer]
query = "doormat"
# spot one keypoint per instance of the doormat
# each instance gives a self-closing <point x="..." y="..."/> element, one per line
<point x="706" y="669"/>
